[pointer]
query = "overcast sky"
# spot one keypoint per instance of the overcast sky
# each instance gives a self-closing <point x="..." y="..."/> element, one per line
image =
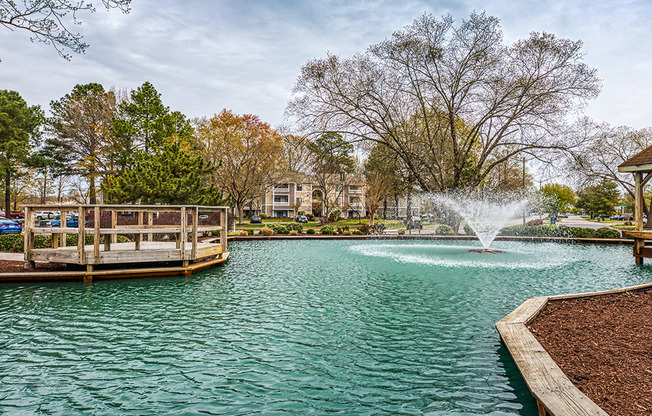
<point x="203" y="56"/>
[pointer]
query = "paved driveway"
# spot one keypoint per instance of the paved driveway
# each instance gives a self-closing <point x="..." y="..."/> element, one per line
<point x="577" y="221"/>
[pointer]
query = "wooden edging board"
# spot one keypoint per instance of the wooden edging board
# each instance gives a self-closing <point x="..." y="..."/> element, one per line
<point x="112" y="274"/>
<point x="554" y="392"/>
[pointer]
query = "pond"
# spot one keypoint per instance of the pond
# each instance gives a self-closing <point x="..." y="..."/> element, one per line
<point x="293" y="327"/>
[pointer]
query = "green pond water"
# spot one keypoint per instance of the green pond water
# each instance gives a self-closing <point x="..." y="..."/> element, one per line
<point x="293" y="327"/>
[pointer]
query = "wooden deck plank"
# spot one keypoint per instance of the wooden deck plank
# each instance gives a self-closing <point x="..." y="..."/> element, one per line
<point x="526" y="311"/>
<point x="544" y="378"/>
<point x="601" y="293"/>
<point x="111" y="274"/>
<point x="646" y="235"/>
<point x="126" y="253"/>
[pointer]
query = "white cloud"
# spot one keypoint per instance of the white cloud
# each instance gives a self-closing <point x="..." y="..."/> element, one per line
<point x="207" y="55"/>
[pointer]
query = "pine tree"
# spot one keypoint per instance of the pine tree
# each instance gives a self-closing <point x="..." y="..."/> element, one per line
<point x="18" y="124"/>
<point x="167" y="175"/>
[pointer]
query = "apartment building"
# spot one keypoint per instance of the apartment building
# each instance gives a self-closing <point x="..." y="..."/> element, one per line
<point x="286" y="200"/>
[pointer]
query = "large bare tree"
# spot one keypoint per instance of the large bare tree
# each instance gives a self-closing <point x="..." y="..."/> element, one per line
<point x="49" y="21"/>
<point x="453" y="102"/>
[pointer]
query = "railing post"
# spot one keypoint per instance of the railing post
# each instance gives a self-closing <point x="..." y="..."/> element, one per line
<point x="114" y="224"/>
<point x="195" y="226"/>
<point x="139" y="236"/>
<point x="183" y="235"/>
<point x="96" y="235"/>
<point x="64" y="224"/>
<point x="224" y="231"/>
<point x="28" y="236"/>
<point x="81" y="235"/>
<point x="150" y="224"/>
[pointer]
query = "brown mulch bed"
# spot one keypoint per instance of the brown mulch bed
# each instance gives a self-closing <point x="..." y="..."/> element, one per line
<point x="604" y="345"/>
<point x="9" y="266"/>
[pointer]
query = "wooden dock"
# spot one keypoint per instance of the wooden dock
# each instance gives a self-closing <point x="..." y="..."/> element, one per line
<point x="152" y="241"/>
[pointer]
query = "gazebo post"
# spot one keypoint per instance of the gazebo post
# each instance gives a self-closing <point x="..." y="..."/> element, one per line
<point x="639" y="243"/>
<point x="639" y="165"/>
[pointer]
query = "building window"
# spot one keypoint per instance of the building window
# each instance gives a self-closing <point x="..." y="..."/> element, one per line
<point x="354" y="200"/>
<point x="299" y="187"/>
<point x="353" y="187"/>
<point x="281" y="199"/>
<point x="280" y="214"/>
<point x="283" y="186"/>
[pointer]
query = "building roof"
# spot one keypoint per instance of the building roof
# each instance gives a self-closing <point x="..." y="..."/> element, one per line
<point x="642" y="161"/>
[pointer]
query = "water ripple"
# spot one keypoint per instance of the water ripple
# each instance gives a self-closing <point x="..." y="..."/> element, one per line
<point x="292" y="327"/>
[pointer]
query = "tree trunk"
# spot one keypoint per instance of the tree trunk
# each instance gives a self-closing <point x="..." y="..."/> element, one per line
<point x="7" y="194"/>
<point x="372" y="217"/>
<point x="91" y="191"/>
<point x="240" y="208"/>
<point x="398" y="212"/>
<point x="45" y="184"/>
<point x="60" y="189"/>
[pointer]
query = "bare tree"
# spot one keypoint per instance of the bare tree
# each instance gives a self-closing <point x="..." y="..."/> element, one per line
<point x="453" y="102"/>
<point x="48" y="20"/>
<point x="609" y="147"/>
<point x="332" y="163"/>
<point x="81" y="124"/>
<point x="247" y="152"/>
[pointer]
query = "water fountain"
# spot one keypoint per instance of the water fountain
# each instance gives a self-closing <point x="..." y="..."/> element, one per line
<point x="485" y="214"/>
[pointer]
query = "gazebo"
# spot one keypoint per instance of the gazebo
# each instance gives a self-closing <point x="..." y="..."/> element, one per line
<point x="640" y="165"/>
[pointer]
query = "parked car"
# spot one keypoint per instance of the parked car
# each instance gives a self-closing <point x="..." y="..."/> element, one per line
<point x="17" y="214"/>
<point x="10" y="227"/>
<point x="71" y="221"/>
<point x="255" y="219"/>
<point x="45" y="215"/>
<point x="302" y="219"/>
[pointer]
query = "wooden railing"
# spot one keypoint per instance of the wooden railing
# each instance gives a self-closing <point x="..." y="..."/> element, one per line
<point x="184" y="230"/>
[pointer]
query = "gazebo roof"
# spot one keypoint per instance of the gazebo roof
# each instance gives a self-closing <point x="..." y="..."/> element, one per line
<point x="640" y="162"/>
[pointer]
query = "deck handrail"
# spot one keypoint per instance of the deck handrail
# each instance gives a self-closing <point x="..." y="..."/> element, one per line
<point x="110" y="234"/>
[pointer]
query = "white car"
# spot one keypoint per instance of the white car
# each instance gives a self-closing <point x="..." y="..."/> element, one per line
<point x="45" y="215"/>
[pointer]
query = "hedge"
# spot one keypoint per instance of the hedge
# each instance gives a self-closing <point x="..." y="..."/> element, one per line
<point x="444" y="229"/>
<point x="561" y="231"/>
<point x="295" y="227"/>
<point x="278" y="228"/>
<point x="606" y="232"/>
<point x="327" y="230"/>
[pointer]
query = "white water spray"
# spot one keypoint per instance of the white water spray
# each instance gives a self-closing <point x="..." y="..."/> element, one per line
<point x="486" y="216"/>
